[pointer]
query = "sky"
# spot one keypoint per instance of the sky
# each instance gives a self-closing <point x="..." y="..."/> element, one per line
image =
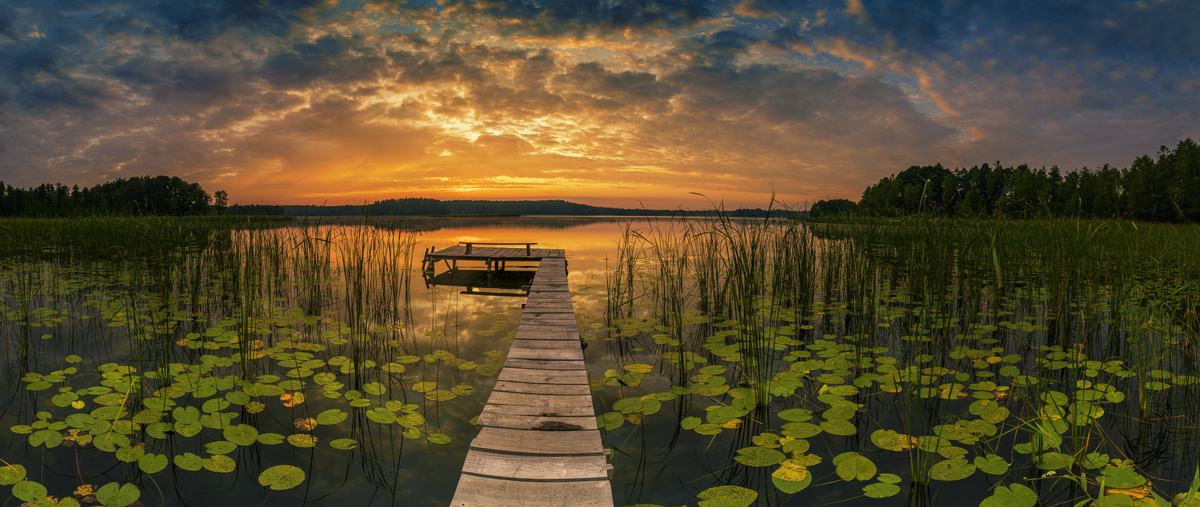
<point x="629" y="103"/>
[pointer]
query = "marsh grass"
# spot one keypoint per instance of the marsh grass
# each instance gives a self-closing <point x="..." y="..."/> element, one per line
<point x="159" y="341"/>
<point x="1064" y="350"/>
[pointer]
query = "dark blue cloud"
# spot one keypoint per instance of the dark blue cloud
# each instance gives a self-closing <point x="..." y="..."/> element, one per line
<point x="333" y="59"/>
<point x="23" y="62"/>
<point x="77" y="94"/>
<point x="8" y="22"/>
<point x="198" y="20"/>
<point x="569" y="15"/>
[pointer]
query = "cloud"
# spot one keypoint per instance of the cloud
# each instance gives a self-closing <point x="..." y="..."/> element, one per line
<point x="542" y="98"/>
<point x="570" y="15"/>
<point x="200" y="20"/>
<point x="329" y="58"/>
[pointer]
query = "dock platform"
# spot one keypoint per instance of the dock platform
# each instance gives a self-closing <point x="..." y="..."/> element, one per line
<point x="538" y="443"/>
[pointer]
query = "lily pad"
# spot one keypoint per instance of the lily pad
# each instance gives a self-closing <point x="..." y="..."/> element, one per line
<point x="11" y="474"/>
<point x="991" y="464"/>
<point x="1121" y="478"/>
<point x="29" y="491"/>
<point x="189" y="462"/>
<point x="219" y="463"/>
<point x="854" y="466"/>
<point x="343" y="443"/>
<point x="302" y="440"/>
<point x="1014" y="496"/>
<point x="759" y="456"/>
<point x="280" y="477"/>
<point x="438" y="438"/>
<point x="152" y="463"/>
<point x="242" y="434"/>
<point x="721" y="496"/>
<point x="880" y="490"/>
<point x="952" y="470"/>
<point x="331" y="416"/>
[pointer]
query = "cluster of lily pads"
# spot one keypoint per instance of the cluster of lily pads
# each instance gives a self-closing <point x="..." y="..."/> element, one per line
<point x="186" y="383"/>
<point x="956" y="389"/>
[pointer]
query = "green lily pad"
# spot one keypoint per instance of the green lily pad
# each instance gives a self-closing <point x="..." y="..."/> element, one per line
<point x="374" y="388"/>
<point x="381" y="415"/>
<point x="270" y="438"/>
<point x="242" y="434"/>
<point x="152" y="463"/>
<point x="440" y="395"/>
<point x="721" y="496"/>
<point x="219" y="463"/>
<point x="880" y="490"/>
<point x="891" y="440"/>
<point x="302" y="440"/>
<point x="991" y="464"/>
<point x="343" y="443"/>
<point x="280" y="477"/>
<point x="759" y="456"/>
<point x="795" y="415"/>
<point x="332" y="416"/>
<point x="854" y="466"/>
<point x="791" y="487"/>
<point x="189" y="462"/>
<point x="952" y="470"/>
<point x="610" y="420"/>
<point x="11" y="474"/>
<point x="1016" y="496"/>
<point x="438" y="438"/>
<point x="29" y="491"/>
<point x="1121" y="478"/>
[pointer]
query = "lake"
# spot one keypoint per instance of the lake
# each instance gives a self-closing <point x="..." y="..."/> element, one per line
<point x="733" y="363"/>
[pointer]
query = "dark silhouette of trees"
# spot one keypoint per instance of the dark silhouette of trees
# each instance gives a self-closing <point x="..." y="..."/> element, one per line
<point x="832" y="207"/>
<point x="1161" y="188"/>
<point x="140" y="195"/>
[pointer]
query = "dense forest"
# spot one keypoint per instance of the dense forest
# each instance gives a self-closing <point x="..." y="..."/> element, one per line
<point x="1163" y="188"/>
<point x="139" y="195"/>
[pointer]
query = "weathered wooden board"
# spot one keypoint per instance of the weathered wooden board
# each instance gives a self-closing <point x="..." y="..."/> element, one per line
<point x="536" y="422"/>
<point x="550" y="403"/>
<point x="539" y="411"/>
<point x="511" y="373"/>
<point x="544" y="365"/>
<point x="538" y="442"/>
<point x="535" y="468"/>
<point x="521" y="387"/>
<point x="546" y="343"/>
<point x="474" y="490"/>
<point x="546" y="354"/>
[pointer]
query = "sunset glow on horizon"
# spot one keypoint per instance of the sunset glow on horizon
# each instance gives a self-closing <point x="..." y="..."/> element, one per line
<point x="649" y="103"/>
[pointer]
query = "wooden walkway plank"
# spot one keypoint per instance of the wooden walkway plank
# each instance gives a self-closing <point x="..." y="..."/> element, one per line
<point x="476" y="491"/>
<point x="538" y="442"/>
<point x="535" y="468"/>
<point x="536" y="422"/>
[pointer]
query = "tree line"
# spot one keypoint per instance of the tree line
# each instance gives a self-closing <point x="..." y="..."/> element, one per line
<point x="1162" y="188"/>
<point x="139" y="195"/>
<point x="435" y="207"/>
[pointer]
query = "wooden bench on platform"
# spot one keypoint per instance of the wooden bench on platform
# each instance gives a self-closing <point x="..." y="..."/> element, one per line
<point x="471" y="244"/>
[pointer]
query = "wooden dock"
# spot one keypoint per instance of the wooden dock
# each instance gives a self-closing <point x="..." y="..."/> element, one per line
<point x="493" y="257"/>
<point x="538" y="444"/>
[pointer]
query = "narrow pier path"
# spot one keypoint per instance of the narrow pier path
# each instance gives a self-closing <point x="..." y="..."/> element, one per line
<point x="538" y="444"/>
